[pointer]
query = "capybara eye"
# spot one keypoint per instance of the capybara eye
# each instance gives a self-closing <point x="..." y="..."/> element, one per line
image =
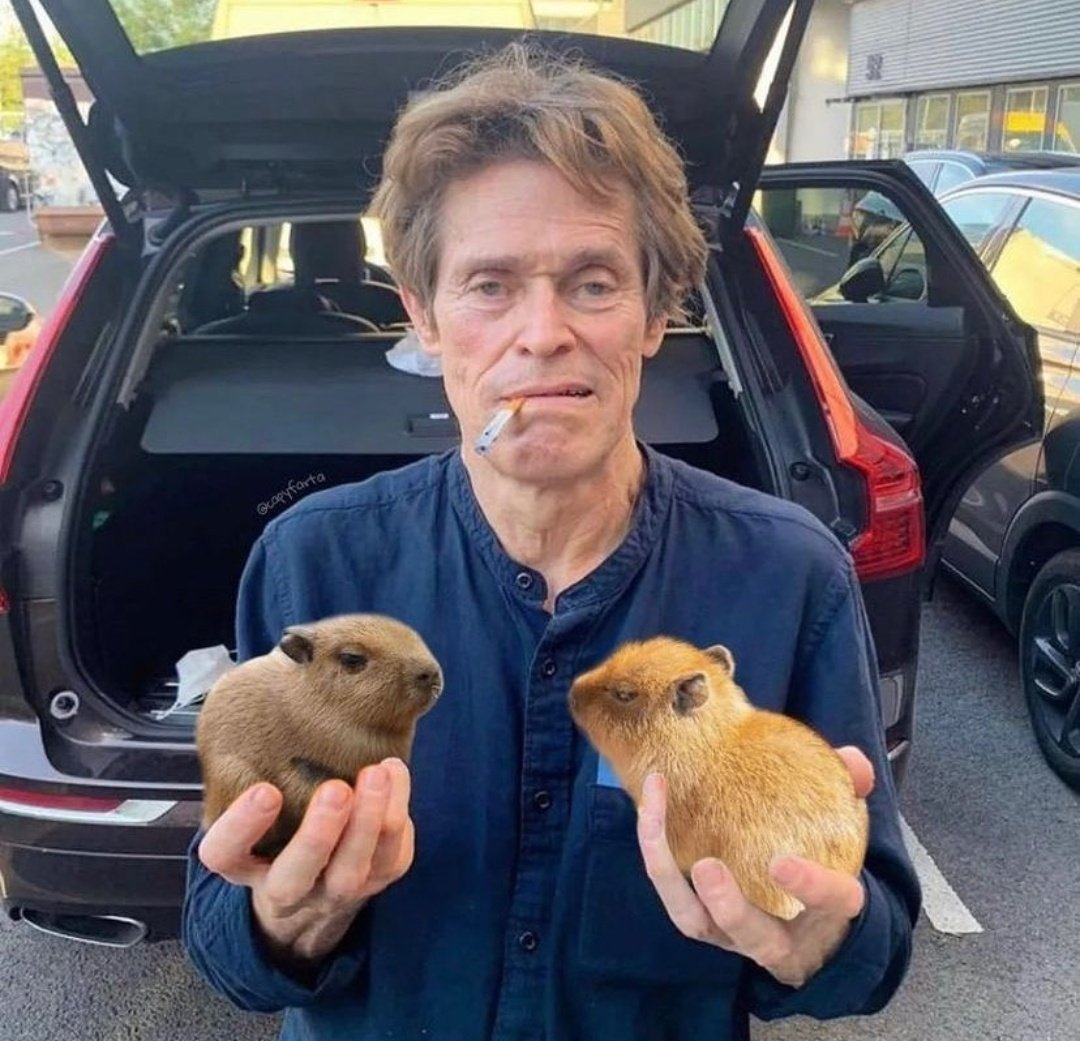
<point x="623" y="696"/>
<point x="352" y="661"/>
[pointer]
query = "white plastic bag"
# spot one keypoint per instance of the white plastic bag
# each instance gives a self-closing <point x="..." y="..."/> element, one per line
<point x="197" y="672"/>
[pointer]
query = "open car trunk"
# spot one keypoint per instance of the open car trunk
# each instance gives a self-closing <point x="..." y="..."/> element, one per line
<point x="226" y="432"/>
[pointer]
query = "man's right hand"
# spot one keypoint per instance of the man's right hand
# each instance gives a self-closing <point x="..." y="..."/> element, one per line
<point x="351" y="844"/>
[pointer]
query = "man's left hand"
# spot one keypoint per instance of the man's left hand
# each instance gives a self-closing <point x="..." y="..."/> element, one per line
<point x="715" y="911"/>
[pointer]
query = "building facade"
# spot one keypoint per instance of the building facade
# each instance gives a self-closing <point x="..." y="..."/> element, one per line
<point x="986" y="75"/>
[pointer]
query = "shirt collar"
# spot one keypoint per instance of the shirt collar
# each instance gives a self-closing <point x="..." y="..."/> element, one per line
<point x="526" y="584"/>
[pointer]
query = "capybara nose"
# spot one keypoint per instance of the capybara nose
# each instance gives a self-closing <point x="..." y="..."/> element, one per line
<point x="429" y="681"/>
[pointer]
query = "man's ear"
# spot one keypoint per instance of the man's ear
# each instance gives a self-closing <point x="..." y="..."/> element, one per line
<point x="654" y="335"/>
<point x="422" y="323"/>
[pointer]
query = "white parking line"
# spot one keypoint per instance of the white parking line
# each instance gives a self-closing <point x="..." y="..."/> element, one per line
<point x="15" y="249"/>
<point x="945" y="910"/>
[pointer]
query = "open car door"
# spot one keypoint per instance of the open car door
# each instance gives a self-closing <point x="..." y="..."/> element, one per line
<point x="911" y="315"/>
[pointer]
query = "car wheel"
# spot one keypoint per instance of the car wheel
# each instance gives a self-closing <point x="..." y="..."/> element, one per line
<point x="1050" y="662"/>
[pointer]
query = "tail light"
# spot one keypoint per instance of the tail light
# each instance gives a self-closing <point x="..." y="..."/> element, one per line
<point x="895" y="539"/>
<point x="48" y="801"/>
<point x="15" y="406"/>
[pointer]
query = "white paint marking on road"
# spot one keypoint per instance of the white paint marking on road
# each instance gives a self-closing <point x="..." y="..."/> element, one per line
<point x="813" y="249"/>
<point x="946" y="911"/>
<point x="15" y="249"/>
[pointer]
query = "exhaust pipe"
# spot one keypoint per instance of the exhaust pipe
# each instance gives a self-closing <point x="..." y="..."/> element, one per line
<point x="104" y="930"/>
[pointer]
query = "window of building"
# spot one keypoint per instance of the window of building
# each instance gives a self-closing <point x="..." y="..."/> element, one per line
<point x="973" y="120"/>
<point x="932" y="121"/>
<point x="1039" y="266"/>
<point x="1025" y="119"/>
<point x="1067" y="127"/>
<point x="879" y="130"/>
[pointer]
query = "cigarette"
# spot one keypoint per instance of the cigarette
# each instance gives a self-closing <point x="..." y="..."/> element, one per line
<point x="495" y="426"/>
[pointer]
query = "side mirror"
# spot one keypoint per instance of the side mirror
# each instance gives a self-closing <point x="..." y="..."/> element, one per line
<point x="864" y="279"/>
<point x="907" y="284"/>
<point x="15" y="313"/>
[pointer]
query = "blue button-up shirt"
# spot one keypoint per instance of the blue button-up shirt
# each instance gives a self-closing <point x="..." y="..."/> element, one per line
<point x="527" y="914"/>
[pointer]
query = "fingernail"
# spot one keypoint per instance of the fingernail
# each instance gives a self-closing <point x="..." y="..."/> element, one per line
<point x="264" y="798"/>
<point x="785" y="872"/>
<point x="375" y="780"/>
<point x="333" y="797"/>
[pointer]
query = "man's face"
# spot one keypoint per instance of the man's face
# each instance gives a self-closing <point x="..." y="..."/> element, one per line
<point x="540" y="294"/>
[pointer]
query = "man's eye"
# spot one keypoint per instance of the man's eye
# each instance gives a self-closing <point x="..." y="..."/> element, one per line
<point x="489" y="288"/>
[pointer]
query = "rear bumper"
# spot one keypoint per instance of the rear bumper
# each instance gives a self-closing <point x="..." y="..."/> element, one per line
<point x="97" y="870"/>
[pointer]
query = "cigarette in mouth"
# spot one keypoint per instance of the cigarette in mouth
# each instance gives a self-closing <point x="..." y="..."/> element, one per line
<point x="496" y="424"/>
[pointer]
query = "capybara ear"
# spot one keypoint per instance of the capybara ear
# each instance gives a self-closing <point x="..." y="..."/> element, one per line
<point x="723" y="657"/>
<point x="296" y="642"/>
<point x="690" y="693"/>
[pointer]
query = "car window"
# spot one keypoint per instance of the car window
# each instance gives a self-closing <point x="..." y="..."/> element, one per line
<point x="1039" y="266"/>
<point x="903" y="262"/>
<point x="951" y="175"/>
<point x="924" y="170"/>
<point x="977" y="214"/>
<point x="822" y="232"/>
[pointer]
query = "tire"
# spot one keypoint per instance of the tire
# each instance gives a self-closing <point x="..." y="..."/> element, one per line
<point x="1050" y="663"/>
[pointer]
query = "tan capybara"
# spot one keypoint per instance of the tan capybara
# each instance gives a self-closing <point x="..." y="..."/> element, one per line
<point x="743" y="784"/>
<point x="332" y="697"/>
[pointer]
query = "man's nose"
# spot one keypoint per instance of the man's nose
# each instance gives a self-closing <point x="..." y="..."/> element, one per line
<point x="544" y="321"/>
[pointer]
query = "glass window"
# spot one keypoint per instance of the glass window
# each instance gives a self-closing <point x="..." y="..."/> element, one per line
<point x="1067" y="127"/>
<point x="924" y="171"/>
<point x="951" y="175"/>
<point x="903" y="262"/>
<point x="1039" y="266"/>
<point x="1025" y="119"/>
<point x="977" y="214"/>
<point x="932" y="121"/>
<point x="879" y="130"/>
<point x="973" y="120"/>
<point x="823" y="231"/>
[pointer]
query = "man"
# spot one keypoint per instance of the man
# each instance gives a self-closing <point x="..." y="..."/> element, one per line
<point x="502" y="886"/>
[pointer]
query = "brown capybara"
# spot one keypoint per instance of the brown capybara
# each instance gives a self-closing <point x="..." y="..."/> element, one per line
<point x="332" y="697"/>
<point x="743" y="784"/>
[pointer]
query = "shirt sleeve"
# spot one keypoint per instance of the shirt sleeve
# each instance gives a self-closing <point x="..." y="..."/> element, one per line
<point x="836" y="692"/>
<point x="217" y="925"/>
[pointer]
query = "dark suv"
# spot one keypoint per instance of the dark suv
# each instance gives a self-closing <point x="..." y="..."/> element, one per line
<point x="216" y="354"/>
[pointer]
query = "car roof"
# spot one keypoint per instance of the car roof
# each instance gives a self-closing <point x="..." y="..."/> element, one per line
<point x="978" y="162"/>
<point x="1062" y="182"/>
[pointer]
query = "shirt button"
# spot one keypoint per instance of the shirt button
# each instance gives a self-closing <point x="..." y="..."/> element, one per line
<point x="523" y="580"/>
<point x="549" y="668"/>
<point x="542" y="800"/>
<point x="528" y="940"/>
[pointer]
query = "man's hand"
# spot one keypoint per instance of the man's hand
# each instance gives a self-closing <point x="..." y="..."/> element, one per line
<point x="351" y="844"/>
<point x="714" y="910"/>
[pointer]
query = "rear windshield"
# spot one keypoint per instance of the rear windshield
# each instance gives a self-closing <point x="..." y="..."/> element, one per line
<point x="154" y="25"/>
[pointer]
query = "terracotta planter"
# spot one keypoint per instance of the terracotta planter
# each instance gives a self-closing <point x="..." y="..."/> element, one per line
<point x="67" y="228"/>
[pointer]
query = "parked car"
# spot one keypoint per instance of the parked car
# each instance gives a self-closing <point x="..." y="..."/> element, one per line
<point x="943" y="169"/>
<point x="874" y="218"/>
<point x="180" y="384"/>
<point x="1015" y="537"/>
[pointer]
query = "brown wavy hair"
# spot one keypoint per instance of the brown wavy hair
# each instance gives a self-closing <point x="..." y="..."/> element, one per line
<point x="524" y="102"/>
